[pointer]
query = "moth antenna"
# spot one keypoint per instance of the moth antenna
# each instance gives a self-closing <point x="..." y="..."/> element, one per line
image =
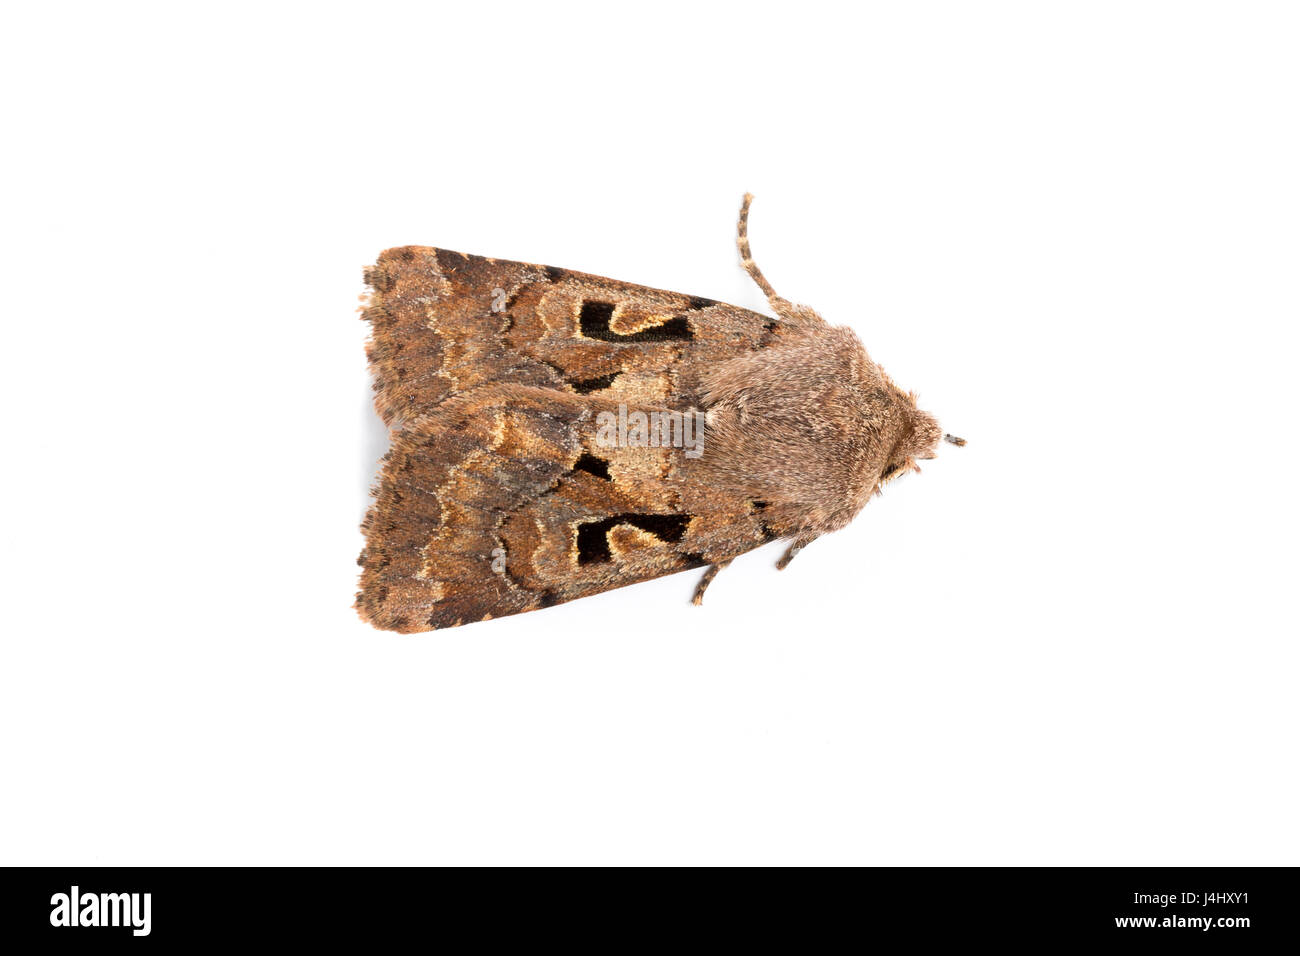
<point x="954" y="440"/>
<point x="747" y="258"/>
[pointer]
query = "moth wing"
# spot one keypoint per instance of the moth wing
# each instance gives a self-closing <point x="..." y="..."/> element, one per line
<point x="496" y="495"/>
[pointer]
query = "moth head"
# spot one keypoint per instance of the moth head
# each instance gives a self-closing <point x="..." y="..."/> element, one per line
<point x="918" y="440"/>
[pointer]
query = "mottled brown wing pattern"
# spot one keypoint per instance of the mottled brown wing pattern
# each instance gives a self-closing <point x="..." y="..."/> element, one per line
<point x="495" y="497"/>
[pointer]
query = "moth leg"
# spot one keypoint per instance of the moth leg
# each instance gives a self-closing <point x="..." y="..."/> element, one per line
<point x="747" y="257"/>
<point x="796" y="314"/>
<point x="798" y="545"/>
<point x="709" y="575"/>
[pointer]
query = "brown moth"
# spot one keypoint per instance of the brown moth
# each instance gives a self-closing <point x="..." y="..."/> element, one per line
<point x="555" y="434"/>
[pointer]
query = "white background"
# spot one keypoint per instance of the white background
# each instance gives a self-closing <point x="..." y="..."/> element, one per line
<point x="1072" y="228"/>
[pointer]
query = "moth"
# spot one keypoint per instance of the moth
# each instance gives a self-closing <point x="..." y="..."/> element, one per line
<point x="555" y="434"/>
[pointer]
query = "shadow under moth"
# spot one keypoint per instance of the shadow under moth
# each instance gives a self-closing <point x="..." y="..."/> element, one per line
<point x="554" y="434"/>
